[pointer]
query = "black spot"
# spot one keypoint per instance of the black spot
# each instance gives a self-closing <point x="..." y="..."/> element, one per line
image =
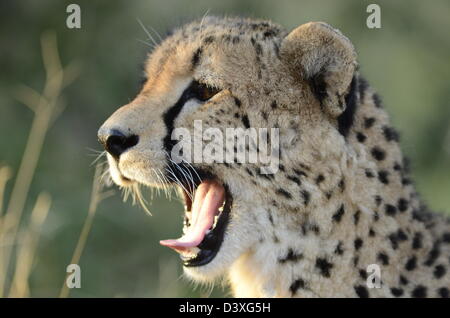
<point x="378" y="200"/>
<point x="342" y="185"/>
<point x="284" y="193"/>
<point x="363" y="274"/>
<point x="371" y="232"/>
<point x="306" y="196"/>
<point x="249" y="172"/>
<point x="417" y="241"/>
<point x="378" y="153"/>
<point x="258" y="48"/>
<point x="320" y="178"/>
<point x="401" y="235"/>
<point x="264" y="115"/>
<point x="270" y="33"/>
<point x="383" y="176"/>
<point x="274" y="104"/>
<point x="377" y="100"/>
<point x="376" y="217"/>
<point x="358" y="243"/>
<point x="294" y="179"/>
<point x="324" y="266"/>
<point x="300" y="172"/>
<point x="237" y="101"/>
<point x="439" y="271"/>
<point x="390" y="209"/>
<point x="362" y="86"/>
<point x="390" y="134"/>
<point x="339" y="213"/>
<point x="361" y="137"/>
<point x="419" y="292"/>
<point x="397" y="238"/>
<point x="196" y="57"/>
<point x="397" y="292"/>
<point x="406" y="181"/>
<point x="361" y="291"/>
<point x="368" y="122"/>
<point x="270" y="217"/>
<point x="315" y="228"/>
<point x="443" y="292"/>
<point x="291" y="256"/>
<point x="296" y="285"/>
<point x="245" y="121"/>
<point x="356" y="217"/>
<point x="345" y="120"/>
<point x="369" y="174"/>
<point x="446" y="237"/>
<point x="433" y="255"/>
<point x="411" y="264"/>
<point x="339" y="250"/>
<point x="403" y="280"/>
<point x="208" y="39"/>
<point x="383" y="258"/>
<point x="355" y="261"/>
<point x="402" y="204"/>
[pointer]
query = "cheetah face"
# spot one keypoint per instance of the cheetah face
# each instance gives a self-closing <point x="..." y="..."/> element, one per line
<point x="224" y="73"/>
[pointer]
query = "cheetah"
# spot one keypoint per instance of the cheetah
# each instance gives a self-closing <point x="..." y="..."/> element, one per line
<point x="341" y="198"/>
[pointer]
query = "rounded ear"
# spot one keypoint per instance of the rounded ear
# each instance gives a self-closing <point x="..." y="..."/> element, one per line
<point x="325" y="58"/>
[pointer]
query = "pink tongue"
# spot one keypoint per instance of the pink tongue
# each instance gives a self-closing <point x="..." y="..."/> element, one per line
<point x="208" y="199"/>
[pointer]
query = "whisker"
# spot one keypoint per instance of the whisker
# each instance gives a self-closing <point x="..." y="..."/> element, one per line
<point x="99" y="155"/>
<point x="146" y="43"/>
<point x="150" y="37"/>
<point x="157" y="34"/>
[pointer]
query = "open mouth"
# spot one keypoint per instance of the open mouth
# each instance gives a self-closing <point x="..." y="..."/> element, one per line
<point x="206" y="217"/>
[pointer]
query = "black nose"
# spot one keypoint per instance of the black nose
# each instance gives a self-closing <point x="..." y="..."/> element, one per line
<point x="117" y="143"/>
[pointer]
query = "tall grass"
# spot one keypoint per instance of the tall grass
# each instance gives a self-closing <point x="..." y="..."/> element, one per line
<point x="18" y="242"/>
<point x="96" y="196"/>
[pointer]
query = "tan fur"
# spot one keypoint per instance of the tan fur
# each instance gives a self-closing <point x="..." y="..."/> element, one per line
<point x="290" y="247"/>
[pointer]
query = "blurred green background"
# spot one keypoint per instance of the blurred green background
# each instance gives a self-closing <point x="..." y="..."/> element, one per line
<point x="407" y="61"/>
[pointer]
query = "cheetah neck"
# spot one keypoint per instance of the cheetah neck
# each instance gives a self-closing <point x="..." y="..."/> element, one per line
<point x="357" y="208"/>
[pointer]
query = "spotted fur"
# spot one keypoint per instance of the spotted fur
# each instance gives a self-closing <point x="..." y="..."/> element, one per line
<point x="342" y="198"/>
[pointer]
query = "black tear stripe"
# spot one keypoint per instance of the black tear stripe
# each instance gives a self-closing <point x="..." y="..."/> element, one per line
<point x="345" y="120"/>
<point x="172" y="113"/>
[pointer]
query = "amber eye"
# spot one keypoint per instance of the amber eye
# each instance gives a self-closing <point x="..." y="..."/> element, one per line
<point x="203" y="92"/>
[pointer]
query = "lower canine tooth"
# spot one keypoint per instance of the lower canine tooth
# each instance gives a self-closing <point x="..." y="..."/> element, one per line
<point x="192" y="251"/>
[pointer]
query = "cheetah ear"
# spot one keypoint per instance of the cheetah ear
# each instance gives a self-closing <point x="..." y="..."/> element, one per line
<point x="325" y="58"/>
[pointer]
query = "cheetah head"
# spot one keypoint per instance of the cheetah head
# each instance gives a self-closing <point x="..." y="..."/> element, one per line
<point x="231" y="73"/>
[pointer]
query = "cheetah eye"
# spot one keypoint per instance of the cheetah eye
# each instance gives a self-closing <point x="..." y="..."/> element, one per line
<point x="203" y="92"/>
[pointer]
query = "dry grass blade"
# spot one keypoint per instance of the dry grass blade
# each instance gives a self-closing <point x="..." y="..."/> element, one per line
<point x="96" y="197"/>
<point x="45" y="106"/>
<point x="5" y="176"/>
<point x="28" y="247"/>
